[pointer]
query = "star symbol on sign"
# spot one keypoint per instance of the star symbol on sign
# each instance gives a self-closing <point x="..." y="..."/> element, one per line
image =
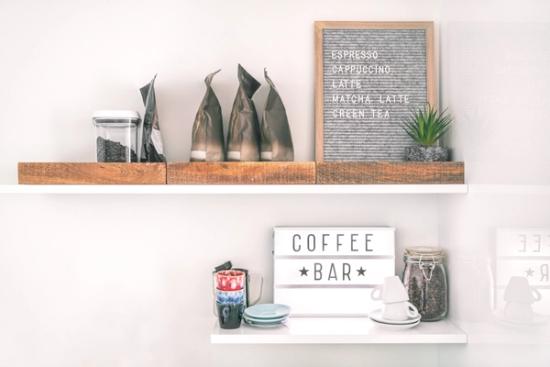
<point x="303" y="271"/>
<point x="530" y="272"/>
<point x="361" y="272"/>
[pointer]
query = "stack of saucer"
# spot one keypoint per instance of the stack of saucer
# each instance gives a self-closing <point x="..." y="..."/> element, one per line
<point x="398" y="312"/>
<point x="266" y="315"/>
<point x="378" y="318"/>
<point x="520" y="297"/>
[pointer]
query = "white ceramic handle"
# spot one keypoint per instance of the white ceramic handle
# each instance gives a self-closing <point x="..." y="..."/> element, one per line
<point x="376" y="293"/>
<point x="412" y="311"/>
<point x="536" y="294"/>
<point x="261" y="280"/>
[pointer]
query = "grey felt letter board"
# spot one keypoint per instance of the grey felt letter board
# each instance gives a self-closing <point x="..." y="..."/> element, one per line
<point x="370" y="77"/>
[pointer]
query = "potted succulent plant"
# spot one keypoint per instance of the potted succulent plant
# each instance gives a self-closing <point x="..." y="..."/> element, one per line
<point x="426" y="126"/>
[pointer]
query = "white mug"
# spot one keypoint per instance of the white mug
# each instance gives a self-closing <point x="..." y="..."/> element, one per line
<point x="391" y="291"/>
<point x="400" y="311"/>
<point x="518" y="290"/>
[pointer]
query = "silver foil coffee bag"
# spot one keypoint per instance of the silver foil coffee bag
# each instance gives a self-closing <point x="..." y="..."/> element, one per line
<point x="243" y="136"/>
<point x="151" y="147"/>
<point x="276" y="140"/>
<point x="207" y="136"/>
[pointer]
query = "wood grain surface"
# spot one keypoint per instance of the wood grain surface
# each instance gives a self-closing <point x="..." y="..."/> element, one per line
<point x="280" y="173"/>
<point x="390" y="172"/>
<point x="91" y="173"/>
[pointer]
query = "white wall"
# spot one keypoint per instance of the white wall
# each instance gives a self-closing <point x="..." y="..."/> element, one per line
<point x="495" y="79"/>
<point x="61" y="60"/>
<point x="124" y="280"/>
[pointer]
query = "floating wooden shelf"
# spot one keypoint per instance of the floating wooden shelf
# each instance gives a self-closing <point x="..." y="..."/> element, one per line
<point x="91" y="173"/>
<point x="272" y="173"/>
<point x="364" y="173"/>
<point x="340" y="331"/>
<point x="243" y="173"/>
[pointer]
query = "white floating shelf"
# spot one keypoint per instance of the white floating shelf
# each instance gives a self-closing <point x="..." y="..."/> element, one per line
<point x="340" y="331"/>
<point x="496" y="332"/>
<point x="510" y="189"/>
<point x="234" y="189"/>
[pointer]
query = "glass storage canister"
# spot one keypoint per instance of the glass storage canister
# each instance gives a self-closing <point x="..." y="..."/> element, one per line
<point x="425" y="279"/>
<point x="116" y="135"/>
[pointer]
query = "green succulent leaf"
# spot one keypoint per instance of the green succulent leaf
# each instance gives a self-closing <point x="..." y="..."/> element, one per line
<point x="426" y="125"/>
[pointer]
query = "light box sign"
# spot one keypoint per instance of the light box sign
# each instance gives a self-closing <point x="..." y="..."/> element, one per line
<point x="525" y="253"/>
<point x="331" y="270"/>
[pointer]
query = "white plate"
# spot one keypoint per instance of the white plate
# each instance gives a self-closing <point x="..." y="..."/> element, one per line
<point x="394" y="326"/>
<point x="265" y="326"/>
<point x="268" y="311"/>
<point x="377" y="316"/>
<point x="264" y="321"/>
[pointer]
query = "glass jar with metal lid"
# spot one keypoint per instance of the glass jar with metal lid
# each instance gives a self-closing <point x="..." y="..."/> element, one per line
<point x="425" y="278"/>
<point x="116" y="139"/>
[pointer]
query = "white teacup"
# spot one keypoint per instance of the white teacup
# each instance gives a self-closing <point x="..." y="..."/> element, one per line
<point x="400" y="311"/>
<point x="391" y="291"/>
<point x="518" y="290"/>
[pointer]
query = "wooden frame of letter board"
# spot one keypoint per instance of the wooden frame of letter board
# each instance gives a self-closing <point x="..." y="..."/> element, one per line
<point x="319" y="100"/>
<point x="343" y="297"/>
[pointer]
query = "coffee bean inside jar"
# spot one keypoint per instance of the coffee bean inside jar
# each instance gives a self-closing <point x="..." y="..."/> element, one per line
<point x="116" y="135"/>
<point x="425" y="278"/>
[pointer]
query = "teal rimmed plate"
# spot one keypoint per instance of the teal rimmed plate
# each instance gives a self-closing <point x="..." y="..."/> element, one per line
<point x="264" y="321"/>
<point x="267" y="311"/>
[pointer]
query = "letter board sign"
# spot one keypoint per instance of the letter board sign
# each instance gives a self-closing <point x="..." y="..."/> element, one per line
<point x="331" y="270"/>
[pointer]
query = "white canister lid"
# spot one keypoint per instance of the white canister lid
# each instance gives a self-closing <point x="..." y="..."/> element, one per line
<point x="116" y="115"/>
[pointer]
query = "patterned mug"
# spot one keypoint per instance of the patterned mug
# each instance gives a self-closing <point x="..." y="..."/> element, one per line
<point x="230" y="280"/>
<point x="231" y="296"/>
